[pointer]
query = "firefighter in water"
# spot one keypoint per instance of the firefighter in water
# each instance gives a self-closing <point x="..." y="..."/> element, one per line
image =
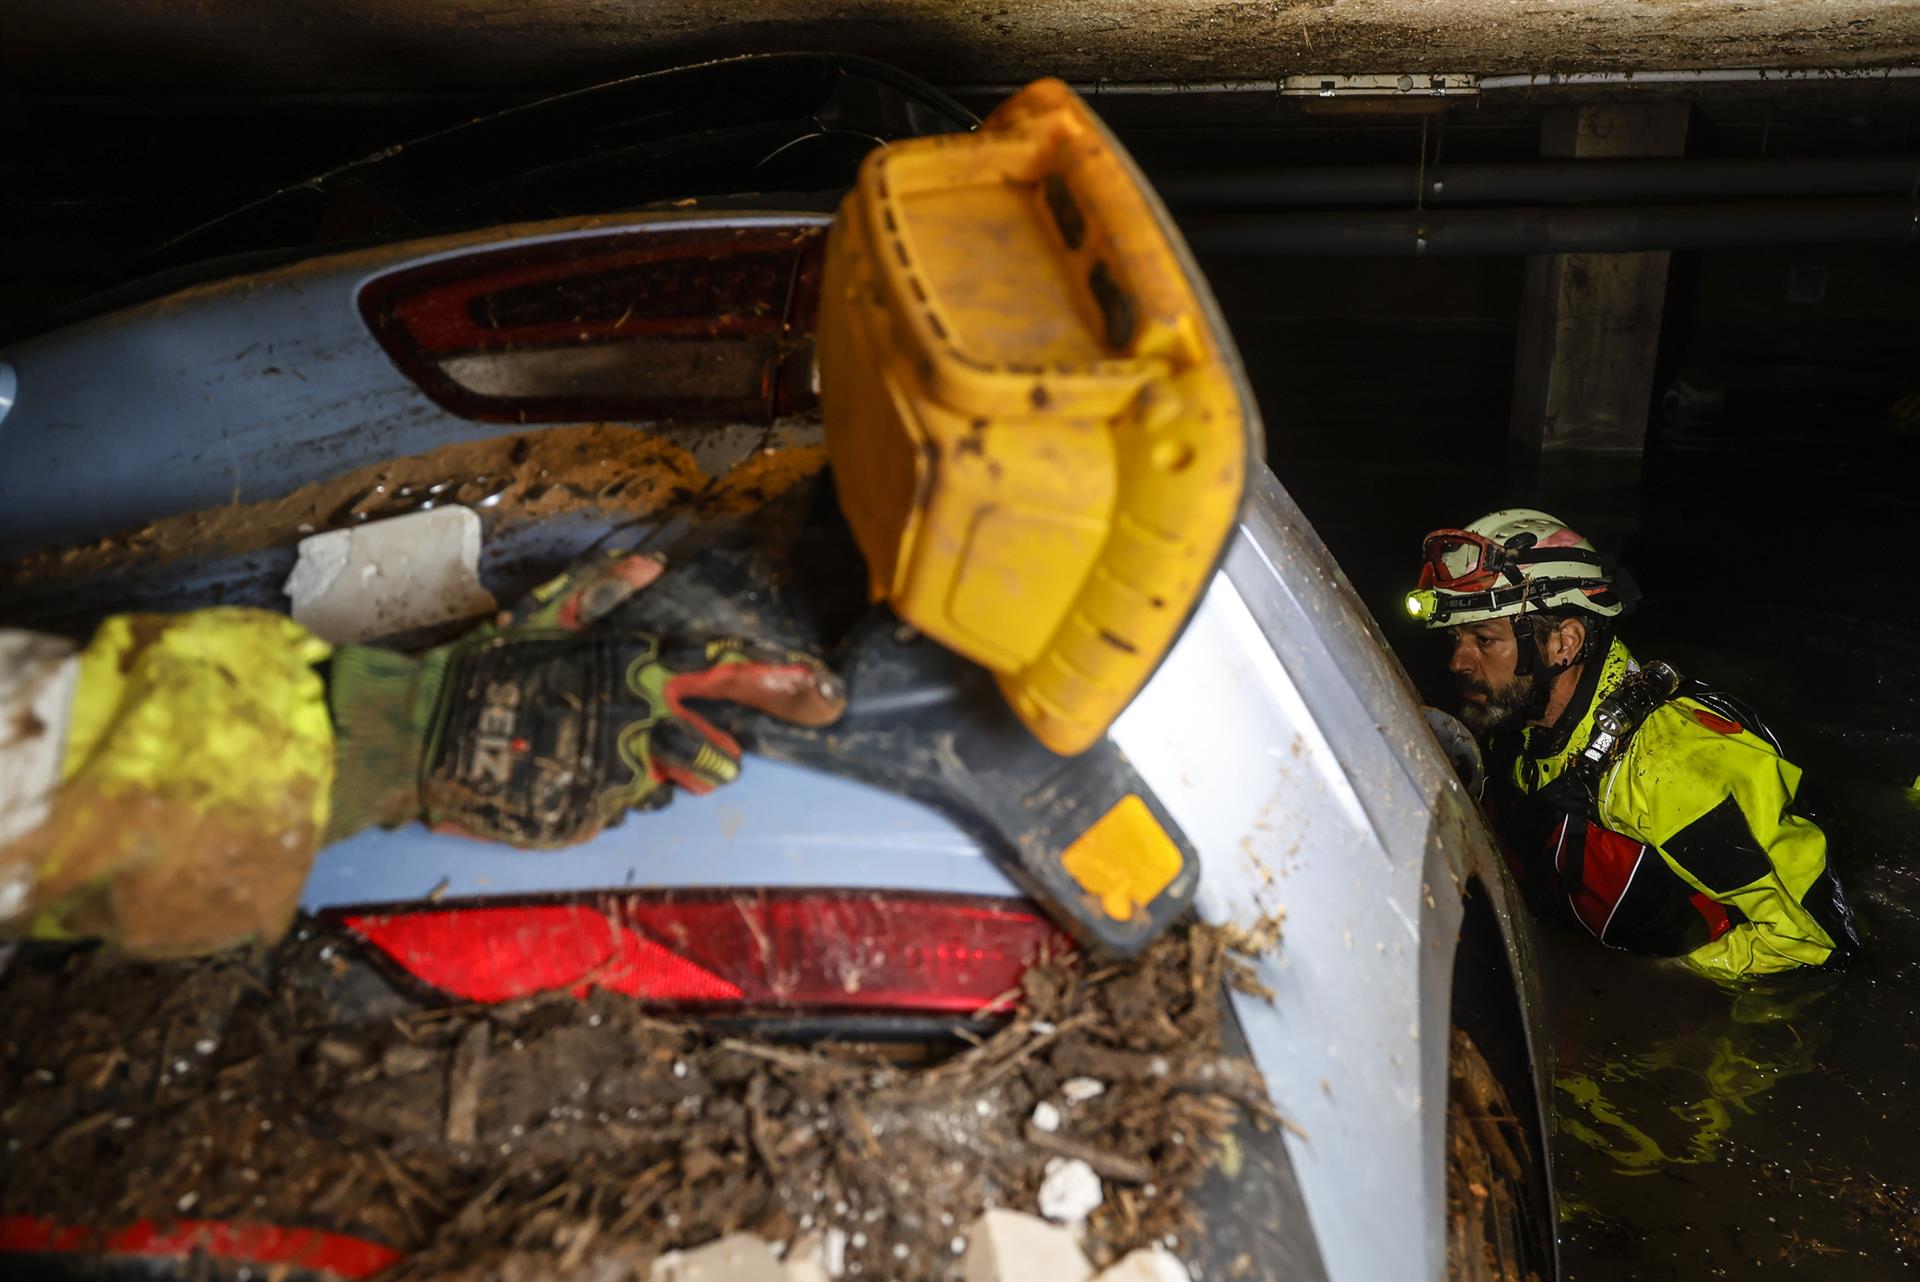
<point x="166" y="787"/>
<point x="1661" y="812"/>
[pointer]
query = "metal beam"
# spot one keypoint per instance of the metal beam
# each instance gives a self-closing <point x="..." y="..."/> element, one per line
<point x="1538" y="182"/>
<point x="1610" y="229"/>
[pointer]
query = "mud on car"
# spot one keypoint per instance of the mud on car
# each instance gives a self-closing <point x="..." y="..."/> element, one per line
<point x="1134" y="849"/>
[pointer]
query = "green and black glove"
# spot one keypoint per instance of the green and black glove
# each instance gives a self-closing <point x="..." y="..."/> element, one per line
<point x="540" y="731"/>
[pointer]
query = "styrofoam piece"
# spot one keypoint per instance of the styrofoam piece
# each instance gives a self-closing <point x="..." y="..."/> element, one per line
<point x="1069" y="1191"/>
<point x="388" y="577"/>
<point x="1150" y="1264"/>
<point x="737" y="1257"/>
<point x="1012" y="1246"/>
<point x="806" y="1260"/>
<point x="1079" y="1090"/>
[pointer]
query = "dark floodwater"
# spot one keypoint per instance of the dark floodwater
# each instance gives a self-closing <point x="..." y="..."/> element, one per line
<point x="1767" y="1130"/>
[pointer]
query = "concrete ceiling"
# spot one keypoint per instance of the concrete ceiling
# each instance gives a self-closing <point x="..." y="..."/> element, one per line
<point x="492" y="45"/>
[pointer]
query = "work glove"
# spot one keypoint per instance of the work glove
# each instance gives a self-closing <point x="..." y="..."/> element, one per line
<point x="540" y="729"/>
<point x="1462" y="749"/>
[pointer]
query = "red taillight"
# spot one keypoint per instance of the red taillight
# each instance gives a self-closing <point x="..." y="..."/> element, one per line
<point x="271" y="1249"/>
<point x="794" y="950"/>
<point x="659" y="321"/>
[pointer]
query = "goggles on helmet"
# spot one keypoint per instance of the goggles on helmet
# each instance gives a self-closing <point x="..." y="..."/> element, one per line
<point x="1463" y="572"/>
<point x="1461" y="561"/>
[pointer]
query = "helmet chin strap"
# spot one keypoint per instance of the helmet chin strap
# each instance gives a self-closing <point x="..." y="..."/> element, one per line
<point x="1529" y="662"/>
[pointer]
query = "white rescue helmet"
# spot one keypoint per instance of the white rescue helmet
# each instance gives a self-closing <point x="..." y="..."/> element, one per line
<point x="1508" y="563"/>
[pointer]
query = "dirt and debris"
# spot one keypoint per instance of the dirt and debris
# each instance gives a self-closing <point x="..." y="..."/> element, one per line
<point x="1867" y="1204"/>
<point x="1487" y="1174"/>
<point x="628" y="473"/>
<point x="301" y="1086"/>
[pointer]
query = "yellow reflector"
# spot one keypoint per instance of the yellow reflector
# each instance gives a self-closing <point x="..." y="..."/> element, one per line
<point x="1124" y="860"/>
<point x="1037" y="424"/>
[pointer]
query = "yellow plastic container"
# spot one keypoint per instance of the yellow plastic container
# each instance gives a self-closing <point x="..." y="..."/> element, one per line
<point x="1037" y="424"/>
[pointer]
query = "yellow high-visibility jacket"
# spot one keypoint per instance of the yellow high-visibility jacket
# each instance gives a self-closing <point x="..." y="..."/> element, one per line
<point x="1694" y="842"/>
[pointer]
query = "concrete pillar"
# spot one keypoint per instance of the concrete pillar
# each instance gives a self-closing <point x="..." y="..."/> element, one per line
<point x="1590" y="323"/>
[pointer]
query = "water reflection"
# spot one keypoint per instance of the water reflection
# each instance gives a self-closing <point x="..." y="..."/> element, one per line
<point x="1672" y="1102"/>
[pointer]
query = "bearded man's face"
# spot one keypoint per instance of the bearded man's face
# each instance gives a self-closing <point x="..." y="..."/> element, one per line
<point x="1492" y="695"/>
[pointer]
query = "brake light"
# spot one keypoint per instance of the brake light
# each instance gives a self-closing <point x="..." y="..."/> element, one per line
<point x="658" y="321"/>
<point x="786" y="950"/>
<point x="268" y="1248"/>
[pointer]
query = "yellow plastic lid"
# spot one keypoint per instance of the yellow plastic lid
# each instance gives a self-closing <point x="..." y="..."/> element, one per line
<point x="1038" y="426"/>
